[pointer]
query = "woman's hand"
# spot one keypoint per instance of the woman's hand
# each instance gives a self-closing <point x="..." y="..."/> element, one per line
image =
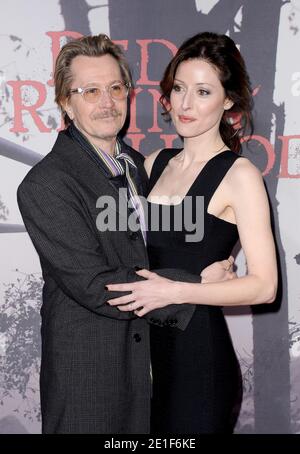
<point x="153" y="293"/>
<point x="218" y="271"/>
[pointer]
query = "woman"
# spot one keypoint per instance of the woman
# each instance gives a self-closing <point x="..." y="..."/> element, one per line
<point x="196" y="380"/>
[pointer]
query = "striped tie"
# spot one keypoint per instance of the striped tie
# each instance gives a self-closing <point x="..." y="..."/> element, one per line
<point x="119" y="165"/>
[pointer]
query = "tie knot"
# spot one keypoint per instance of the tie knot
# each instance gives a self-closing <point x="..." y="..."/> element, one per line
<point x="124" y="157"/>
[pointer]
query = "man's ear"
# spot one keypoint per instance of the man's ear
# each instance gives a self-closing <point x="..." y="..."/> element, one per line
<point x="68" y="109"/>
<point x="228" y="104"/>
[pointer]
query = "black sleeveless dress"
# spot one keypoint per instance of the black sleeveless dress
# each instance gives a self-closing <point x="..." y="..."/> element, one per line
<point x="196" y="376"/>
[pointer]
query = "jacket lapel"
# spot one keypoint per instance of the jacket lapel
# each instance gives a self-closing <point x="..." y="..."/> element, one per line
<point x="82" y="165"/>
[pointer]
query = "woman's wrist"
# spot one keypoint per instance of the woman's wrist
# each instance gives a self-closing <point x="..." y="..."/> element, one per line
<point x="181" y="292"/>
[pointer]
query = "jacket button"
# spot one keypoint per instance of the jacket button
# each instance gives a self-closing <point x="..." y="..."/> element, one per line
<point x="137" y="337"/>
<point x="173" y="322"/>
<point x="133" y="236"/>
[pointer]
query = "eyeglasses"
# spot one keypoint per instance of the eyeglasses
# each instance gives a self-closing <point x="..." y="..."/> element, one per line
<point x="117" y="92"/>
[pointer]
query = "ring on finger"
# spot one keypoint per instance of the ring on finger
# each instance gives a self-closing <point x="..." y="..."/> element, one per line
<point x="230" y="264"/>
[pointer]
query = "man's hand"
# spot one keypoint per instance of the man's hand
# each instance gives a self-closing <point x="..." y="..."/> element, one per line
<point x="218" y="271"/>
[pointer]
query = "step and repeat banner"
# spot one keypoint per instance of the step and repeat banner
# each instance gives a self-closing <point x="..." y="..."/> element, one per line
<point x="267" y="339"/>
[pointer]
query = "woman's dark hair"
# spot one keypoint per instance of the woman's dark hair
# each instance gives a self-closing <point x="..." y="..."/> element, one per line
<point x="221" y="52"/>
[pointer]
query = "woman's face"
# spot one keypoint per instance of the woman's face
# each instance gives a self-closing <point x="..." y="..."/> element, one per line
<point x="197" y="99"/>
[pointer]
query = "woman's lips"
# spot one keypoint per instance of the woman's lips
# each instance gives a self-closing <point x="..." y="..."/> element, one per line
<point x="185" y="119"/>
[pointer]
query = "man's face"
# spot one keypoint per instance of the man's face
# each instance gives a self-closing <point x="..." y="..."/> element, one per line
<point x="99" y="122"/>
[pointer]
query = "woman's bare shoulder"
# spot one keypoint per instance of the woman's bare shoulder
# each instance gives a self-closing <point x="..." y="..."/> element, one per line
<point x="244" y="170"/>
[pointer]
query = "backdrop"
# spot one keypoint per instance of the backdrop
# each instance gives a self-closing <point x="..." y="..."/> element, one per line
<point x="267" y="339"/>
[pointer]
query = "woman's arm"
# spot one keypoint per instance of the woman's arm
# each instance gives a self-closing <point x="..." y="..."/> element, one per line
<point x="249" y="202"/>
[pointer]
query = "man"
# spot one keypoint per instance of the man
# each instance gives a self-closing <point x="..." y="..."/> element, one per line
<point x="95" y="370"/>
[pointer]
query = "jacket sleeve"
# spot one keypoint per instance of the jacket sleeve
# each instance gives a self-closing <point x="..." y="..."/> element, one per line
<point x="69" y="249"/>
<point x="174" y="315"/>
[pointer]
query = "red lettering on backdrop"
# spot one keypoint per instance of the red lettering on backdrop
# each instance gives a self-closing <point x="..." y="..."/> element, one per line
<point x="284" y="171"/>
<point x="168" y="139"/>
<point x="135" y="135"/>
<point x="31" y="109"/>
<point x="156" y="95"/>
<point x="135" y="140"/>
<point x="121" y="42"/>
<point x="269" y="150"/>
<point x="132" y="126"/>
<point x="144" y="44"/>
<point x="55" y="47"/>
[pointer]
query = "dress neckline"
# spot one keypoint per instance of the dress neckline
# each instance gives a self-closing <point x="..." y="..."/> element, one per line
<point x="193" y="183"/>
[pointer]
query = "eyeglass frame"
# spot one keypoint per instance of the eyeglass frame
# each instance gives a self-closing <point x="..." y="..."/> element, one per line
<point x="81" y="91"/>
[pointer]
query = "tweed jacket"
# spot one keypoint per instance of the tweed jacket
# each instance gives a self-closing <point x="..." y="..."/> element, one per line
<point x="95" y="367"/>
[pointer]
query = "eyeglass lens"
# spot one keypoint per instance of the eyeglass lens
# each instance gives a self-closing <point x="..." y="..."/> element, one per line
<point x="116" y="92"/>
